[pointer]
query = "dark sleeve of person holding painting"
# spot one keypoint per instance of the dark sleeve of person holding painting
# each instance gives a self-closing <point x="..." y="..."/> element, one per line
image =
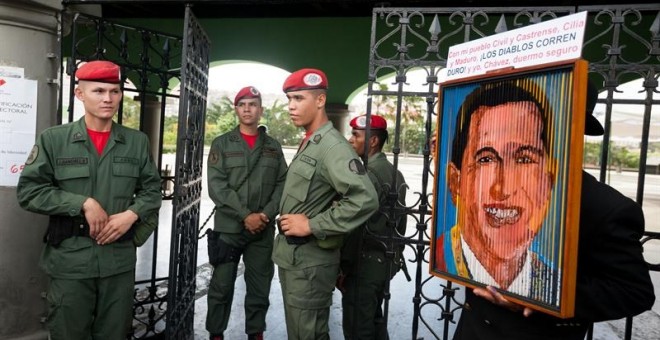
<point x="612" y="278"/>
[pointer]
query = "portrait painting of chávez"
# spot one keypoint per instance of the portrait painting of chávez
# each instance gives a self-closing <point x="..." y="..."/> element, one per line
<point x="508" y="160"/>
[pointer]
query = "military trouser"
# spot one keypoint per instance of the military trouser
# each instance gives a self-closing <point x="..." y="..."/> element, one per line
<point x="364" y="288"/>
<point x="97" y="308"/>
<point x="307" y="295"/>
<point x="256" y="251"/>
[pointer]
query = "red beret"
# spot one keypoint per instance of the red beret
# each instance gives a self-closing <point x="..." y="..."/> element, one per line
<point x="305" y="79"/>
<point x="247" y="92"/>
<point x="377" y="122"/>
<point x="100" y="71"/>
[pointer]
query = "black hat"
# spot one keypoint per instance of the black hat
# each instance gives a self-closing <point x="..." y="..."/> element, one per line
<point x="592" y="126"/>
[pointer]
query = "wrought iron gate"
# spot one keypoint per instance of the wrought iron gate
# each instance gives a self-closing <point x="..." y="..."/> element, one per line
<point x="164" y="304"/>
<point x="622" y="42"/>
<point x="188" y="182"/>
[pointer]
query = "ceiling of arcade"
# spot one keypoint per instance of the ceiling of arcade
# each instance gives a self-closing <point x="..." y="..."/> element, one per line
<point x="299" y="8"/>
<point x="333" y="35"/>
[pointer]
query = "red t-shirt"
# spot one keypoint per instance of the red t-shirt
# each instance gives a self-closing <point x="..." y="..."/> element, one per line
<point x="99" y="139"/>
<point x="250" y="139"/>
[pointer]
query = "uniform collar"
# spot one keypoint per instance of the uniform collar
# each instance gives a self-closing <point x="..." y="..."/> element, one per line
<point x="235" y="136"/>
<point x="79" y="132"/>
<point x="317" y="135"/>
<point x="377" y="155"/>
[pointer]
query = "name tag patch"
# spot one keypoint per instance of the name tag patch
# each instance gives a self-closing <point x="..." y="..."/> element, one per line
<point x="272" y="153"/>
<point x="126" y="160"/>
<point x="309" y="160"/>
<point x="234" y="154"/>
<point x="71" y="161"/>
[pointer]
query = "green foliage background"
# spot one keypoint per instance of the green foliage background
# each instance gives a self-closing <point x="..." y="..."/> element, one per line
<point x="619" y="156"/>
<point x="220" y="118"/>
<point x="413" y="112"/>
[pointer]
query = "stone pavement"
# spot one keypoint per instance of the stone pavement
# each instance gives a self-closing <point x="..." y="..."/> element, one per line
<point x="645" y="327"/>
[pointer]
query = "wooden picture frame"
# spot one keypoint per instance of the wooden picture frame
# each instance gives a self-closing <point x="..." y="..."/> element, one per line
<point x="518" y="136"/>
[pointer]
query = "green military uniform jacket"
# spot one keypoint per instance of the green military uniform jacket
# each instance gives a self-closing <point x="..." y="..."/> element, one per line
<point x="64" y="169"/>
<point x="236" y="196"/>
<point x="381" y="172"/>
<point x="327" y="182"/>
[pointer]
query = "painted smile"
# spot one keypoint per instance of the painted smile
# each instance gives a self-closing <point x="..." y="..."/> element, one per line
<point x="501" y="216"/>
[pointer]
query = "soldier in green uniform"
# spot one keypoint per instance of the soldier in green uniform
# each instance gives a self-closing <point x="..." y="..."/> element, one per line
<point x="95" y="179"/>
<point x="365" y="266"/>
<point x="326" y="195"/>
<point x="246" y="173"/>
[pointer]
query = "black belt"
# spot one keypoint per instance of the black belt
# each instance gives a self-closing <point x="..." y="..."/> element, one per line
<point x="63" y="227"/>
<point x="294" y="239"/>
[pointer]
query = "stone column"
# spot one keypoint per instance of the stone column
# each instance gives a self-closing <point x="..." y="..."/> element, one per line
<point x="151" y="127"/>
<point x="29" y="41"/>
<point x="151" y="123"/>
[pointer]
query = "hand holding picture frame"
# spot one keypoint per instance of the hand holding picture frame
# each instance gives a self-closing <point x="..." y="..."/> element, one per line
<point x="507" y="188"/>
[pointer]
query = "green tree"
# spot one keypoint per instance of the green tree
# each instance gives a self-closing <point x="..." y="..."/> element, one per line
<point x="413" y="109"/>
<point x="170" y="128"/>
<point x="414" y="137"/>
<point x="130" y="113"/>
<point x="276" y="118"/>
<point x="621" y="157"/>
<point x="591" y="153"/>
<point x="384" y="105"/>
<point x="221" y="113"/>
<point x="220" y="118"/>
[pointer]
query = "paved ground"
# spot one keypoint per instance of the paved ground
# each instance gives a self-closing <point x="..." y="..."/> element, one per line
<point x="646" y="326"/>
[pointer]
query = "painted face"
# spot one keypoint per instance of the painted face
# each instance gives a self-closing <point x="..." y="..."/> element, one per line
<point x="304" y="108"/>
<point x="357" y="141"/>
<point x="504" y="182"/>
<point x="249" y="111"/>
<point x="101" y="100"/>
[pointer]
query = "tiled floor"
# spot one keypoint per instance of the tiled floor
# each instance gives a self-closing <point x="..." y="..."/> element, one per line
<point x="646" y="325"/>
<point x="400" y="322"/>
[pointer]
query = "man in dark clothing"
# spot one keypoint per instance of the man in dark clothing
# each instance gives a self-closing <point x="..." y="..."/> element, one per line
<point x="612" y="278"/>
